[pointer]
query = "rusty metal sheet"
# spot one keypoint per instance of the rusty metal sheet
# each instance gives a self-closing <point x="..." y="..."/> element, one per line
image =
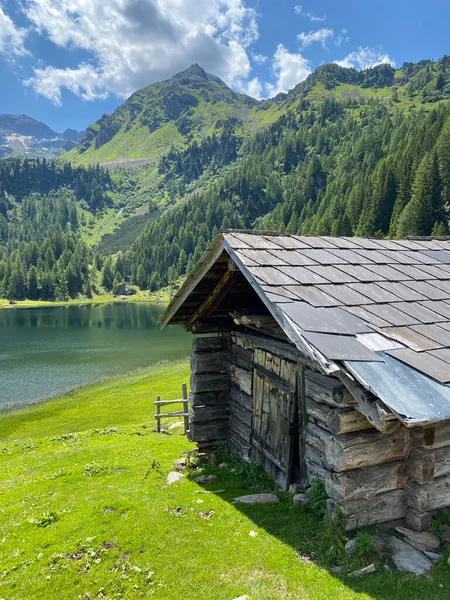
<point x="340" y="347"/>
<point x="412" y="395"/>
<point x="423" y="362"/>
<point x="411" y="338"/>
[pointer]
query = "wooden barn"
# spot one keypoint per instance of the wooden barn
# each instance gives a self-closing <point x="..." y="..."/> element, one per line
<point x="327" y="358"/>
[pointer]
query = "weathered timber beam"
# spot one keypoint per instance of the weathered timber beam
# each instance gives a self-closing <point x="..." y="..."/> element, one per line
<point x="214" y="299"/>
<point x="374" y="410"/>
<point x="210" y="326"/>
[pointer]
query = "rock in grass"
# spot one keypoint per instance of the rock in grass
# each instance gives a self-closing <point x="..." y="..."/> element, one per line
<point x="433" y="556"/>
<point x="300" y="500"/>
<point x="350" y="546"/>
<point x="364" y="571"/>
<point x="242" y="598"/>
<point x="424" y="540"/>
<point x="204" y="479"/>
<point x="180" y="464"/>
<point x="255" y="499"/>
<point x="174" y="477"/>
<point x="407" y="558"/>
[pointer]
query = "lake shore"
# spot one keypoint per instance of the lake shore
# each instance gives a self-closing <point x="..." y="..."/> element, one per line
<point x="159" y="297"/>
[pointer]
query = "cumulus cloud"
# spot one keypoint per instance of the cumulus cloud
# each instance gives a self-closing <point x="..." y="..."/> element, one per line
<point x="132" y="43"/>
<point x="260" y="59"/>
<point x="254" y="88"/>
<point x="11" y="37"/>
<point x="322" y="35"/>
<point x="83" y="81"/>
<point x="364" y="58"/>
<point x="289" y="70"/>
<point x="299" y="10"/>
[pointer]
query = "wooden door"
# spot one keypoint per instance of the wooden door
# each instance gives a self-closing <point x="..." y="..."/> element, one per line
<point x="274" y="415"/>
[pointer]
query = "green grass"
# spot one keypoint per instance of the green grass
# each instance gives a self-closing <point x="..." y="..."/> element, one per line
<point x="85" y="513"/>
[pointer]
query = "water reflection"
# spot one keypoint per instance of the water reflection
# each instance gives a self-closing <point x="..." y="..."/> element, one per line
<point x="47" y="351"/>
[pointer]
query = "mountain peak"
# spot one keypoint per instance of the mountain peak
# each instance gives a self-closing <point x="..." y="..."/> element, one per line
<point x="194" y="70"/>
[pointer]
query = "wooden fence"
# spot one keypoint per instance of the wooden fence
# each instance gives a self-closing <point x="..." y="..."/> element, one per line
<point x="177" y="414"/>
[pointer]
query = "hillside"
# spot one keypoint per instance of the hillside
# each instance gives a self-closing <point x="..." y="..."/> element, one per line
<point x="187" y="107"/>
<point x="345" y="152"/>
<point x="21" y="135"/>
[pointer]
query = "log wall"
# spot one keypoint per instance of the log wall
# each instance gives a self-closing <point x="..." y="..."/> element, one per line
<point x="210" y="386"/>
<point x="370" y="476"/>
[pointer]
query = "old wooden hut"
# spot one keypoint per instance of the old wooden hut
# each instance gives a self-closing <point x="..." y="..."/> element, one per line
<point x="330" y="358"/>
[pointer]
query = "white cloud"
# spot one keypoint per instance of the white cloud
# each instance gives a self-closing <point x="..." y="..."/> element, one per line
<point x="342" y="38"/>
<point x="11" y="37"/>
<point x="289" y="70"/>
<point x="322" y="35"/>
<point x="364" y="58"/>
<point x="132" y="43"/>
<point x="260" y="59"/>
<point x="253" y="88"/>
<point x="299" y="10"/>
<point x="83" y="81"/>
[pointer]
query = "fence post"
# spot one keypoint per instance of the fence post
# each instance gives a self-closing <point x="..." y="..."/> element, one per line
<point x="185" y="406"/>
<point x="158" y="410"/>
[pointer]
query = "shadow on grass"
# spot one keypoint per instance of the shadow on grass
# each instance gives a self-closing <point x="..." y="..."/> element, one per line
<point x="304" y="532"/>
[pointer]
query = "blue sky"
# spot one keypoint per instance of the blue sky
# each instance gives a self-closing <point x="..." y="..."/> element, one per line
<point x="66" y="62"/>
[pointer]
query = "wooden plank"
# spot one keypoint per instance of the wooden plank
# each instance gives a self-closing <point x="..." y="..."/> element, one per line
<point x="210" y="382"/>
<point x="167" y="402"/>
<point x="337" y="420"/>
<point x="326" y="389"/>
<point x="203" y="414"/>
<point x="210" y="362"/>
<point x="211" y="344"/>
<point x="212" y="431"/>
<point x="207" y="399"/>
<point x="421" y="465"/>
<point x="184" y="393"/>
<point x="208" y="259"/>
<point x="178" y="413"/>
<point x="216" y="325"/>
<point x="442" y="462"/>
<point x="242" y="357"/>
<point x="359" y="449"/>
<point x="282" y="349"/>
<point x="241" y="413"/>
<point x="418" y="521"/>
<point x="436" y="436"/>
<point x="430" y="496"/>
<point x="241" y="398"/>
<point x="376" y="412"/>
<point x="365" y="483"/>
<point x="158" y="410"/>
<point x="214" y="299"/>
<point x="242" y="379"/>
<point x="380" y="509"/>
<point x="240" y="428"/>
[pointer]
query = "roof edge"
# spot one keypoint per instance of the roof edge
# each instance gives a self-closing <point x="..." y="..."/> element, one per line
<point x="207" y="260"/>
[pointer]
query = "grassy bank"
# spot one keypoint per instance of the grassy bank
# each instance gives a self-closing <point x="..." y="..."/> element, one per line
<point x="161" y="296"/>
<point x="85" y="513"/>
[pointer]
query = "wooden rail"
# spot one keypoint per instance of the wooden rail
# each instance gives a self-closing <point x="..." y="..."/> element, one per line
<point x="179" y="413"/>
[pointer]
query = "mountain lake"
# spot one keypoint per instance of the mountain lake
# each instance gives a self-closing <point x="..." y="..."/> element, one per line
<point x="45" y="352"/>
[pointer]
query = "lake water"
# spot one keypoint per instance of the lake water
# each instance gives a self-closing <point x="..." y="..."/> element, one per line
<point x="45" y="352"/>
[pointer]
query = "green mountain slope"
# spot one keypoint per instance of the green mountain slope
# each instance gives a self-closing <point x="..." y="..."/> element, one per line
<point x="187" y="107"/>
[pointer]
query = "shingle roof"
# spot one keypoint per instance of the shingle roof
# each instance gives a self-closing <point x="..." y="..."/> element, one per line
<point x="368" y="305"/>
<point x="364" y="301"/>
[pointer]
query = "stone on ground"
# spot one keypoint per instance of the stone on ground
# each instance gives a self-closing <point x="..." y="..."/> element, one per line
<point x="424" y="540"/>
<point x="407" y="558"/>
<point x="203" y="479"/>
<point x="350" y="546"/>
<point x="174" y="477"/>
<point x="175" y="425"/>
<point x="364" y="571"/>
<point x="242" y="598"/>
<point x="180" y="464"/>
<point x="255" y="499"/>
<point x="300" y="500"/>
